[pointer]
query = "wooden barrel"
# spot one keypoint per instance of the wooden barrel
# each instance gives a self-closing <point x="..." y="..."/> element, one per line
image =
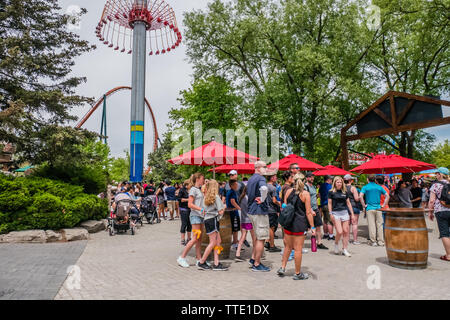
<point x="225" y="234"/>
<point x="406" y="238"/>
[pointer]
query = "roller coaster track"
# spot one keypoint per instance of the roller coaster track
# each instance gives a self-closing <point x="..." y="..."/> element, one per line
<point x="110" y="93"/>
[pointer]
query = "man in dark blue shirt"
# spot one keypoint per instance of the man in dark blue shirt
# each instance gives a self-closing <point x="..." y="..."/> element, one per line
<point x="258" y="213"/>
<point x="233" y="207"/>
<point x="327" y="223"/>
<point x="171" y="198"/>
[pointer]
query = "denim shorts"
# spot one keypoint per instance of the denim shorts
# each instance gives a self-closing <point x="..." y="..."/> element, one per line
<point x="443" y="221"/>
<point x="196" y="219"/>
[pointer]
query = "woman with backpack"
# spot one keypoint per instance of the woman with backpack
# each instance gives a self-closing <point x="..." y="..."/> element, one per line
<point x="440" y="206"/>
<point x="299" y="200"/>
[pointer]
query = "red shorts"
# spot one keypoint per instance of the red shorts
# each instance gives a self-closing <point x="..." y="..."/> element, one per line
<point x="293" y="233"/>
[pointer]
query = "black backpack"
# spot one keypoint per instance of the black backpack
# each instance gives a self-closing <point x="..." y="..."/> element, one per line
<point x="445" y="194"/>
<point x="286" y="217"/>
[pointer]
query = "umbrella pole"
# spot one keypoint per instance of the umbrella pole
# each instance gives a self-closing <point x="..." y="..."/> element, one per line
<point x="214" y="172"/>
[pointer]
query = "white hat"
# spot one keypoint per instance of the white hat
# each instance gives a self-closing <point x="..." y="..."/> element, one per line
<point x="232" y="173"/>
<point x="348" y="177"/>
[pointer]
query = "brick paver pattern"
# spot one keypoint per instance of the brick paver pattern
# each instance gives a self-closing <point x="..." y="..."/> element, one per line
<point x="36" y="271"/>
<point x="144" y="267"/>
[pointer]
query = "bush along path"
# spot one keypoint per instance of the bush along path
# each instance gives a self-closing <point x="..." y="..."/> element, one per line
<point x="30" y="203"/>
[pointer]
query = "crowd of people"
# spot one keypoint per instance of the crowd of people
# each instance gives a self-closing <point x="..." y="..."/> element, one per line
<point x="328" y="211"/>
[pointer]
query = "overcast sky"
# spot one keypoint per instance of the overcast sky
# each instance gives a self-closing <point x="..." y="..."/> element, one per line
<point x="167" y="75"/>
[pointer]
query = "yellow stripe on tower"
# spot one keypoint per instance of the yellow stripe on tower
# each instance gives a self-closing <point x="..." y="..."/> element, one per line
<point x="137" y="128"/>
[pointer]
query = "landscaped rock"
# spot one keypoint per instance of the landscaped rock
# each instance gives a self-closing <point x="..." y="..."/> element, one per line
<point x="93" y="226"/>
<point x="53" y="236"/>
<point x="1" y="238"/>
<point x="35" y="236"/>
<point x="75" y="234"/>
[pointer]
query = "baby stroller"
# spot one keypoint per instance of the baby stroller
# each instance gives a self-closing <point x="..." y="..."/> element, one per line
<point x="148" y="208"/>
<point x="123" y="218"/>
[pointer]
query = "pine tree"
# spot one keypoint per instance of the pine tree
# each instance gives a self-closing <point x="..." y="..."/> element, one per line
<point x="37" y="52"/>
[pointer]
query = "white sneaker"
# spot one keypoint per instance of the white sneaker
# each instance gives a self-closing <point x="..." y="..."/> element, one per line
<point x="182" y="262"/>
<point x="374" y="244"/>
<point x="336" y="249"/>
<point x="346" y="253"/>
<point x="304" y="250"/>
<point x="356" y="242"/>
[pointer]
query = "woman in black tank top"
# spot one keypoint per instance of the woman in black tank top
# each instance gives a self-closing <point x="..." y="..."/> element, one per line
<point x="294" y="235"/>
<point x="354" y="200"/>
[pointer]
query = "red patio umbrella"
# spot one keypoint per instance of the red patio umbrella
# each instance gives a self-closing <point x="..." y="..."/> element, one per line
<point x="243" y="168"/>
<point x="387" y="164"/>
<point x="331" y="171"/>
<point x="213" y="154"/>
<point x="305" y="165"/>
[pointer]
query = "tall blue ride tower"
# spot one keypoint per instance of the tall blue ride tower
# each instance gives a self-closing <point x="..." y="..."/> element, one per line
<point x="124" y="26"/>
<point x="138" y="95"/>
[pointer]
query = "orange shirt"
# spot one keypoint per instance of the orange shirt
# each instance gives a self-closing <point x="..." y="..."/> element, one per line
<point x="383" y="197"/>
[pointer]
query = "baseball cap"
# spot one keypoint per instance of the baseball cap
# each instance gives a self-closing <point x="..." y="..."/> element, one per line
<point x="443" y="170"/>
<point x="232" y="173"/>
<point x="348" y="177"/>
<point x="309" y="174"/>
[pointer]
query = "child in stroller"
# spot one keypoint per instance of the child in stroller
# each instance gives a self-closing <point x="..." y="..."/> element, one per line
<point x="124" y="216"/>
<point x="148" y="208"/>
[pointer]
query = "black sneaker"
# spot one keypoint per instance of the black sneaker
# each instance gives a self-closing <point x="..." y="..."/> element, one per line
<point x="274" y="249"/>
<point x="321" y="246"/>
<point x="203" y="266"/>
<point x="331" y="237"/>
<point x="246" y="244"/>
<point x="219" y="267"/>
<point x="325" y="236"/>
<point x="251" y="262"/>
<point x="183" y="242"/>
<point x="266" y="245"/>
<point x="300" y="276"/>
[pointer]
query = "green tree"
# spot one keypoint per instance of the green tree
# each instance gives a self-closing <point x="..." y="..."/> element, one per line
<point x="441" y="155"/>
<point x="120" y="168"/>
<point x="295" y="64"/>
<point x="74" y="156"/>
<point x="157" y="160"/>
<point x="37" y="54"/>
<point x="412" y="55"/>
<point x="211" y="101"/>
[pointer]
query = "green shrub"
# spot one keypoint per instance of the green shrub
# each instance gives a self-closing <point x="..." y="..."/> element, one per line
<point x="40" y="203"/>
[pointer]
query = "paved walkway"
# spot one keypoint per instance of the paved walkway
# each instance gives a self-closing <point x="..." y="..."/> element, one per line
<point x="36" y="271"/>
<point x="144" y="267"/>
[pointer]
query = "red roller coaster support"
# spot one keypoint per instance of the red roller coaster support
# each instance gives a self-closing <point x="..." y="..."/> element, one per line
<point x="111" y="92"/>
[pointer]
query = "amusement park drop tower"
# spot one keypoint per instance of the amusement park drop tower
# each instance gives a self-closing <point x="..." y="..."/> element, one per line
<point x="124" y="26"/>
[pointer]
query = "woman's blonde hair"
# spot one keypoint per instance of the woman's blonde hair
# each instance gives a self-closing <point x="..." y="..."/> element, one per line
<point x="211" y="190"/>
<point x="333" y="187"/>
<point x="299" y="185"/>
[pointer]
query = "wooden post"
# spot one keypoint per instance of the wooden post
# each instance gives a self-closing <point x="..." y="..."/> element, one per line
<point x="344" y="150"/>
